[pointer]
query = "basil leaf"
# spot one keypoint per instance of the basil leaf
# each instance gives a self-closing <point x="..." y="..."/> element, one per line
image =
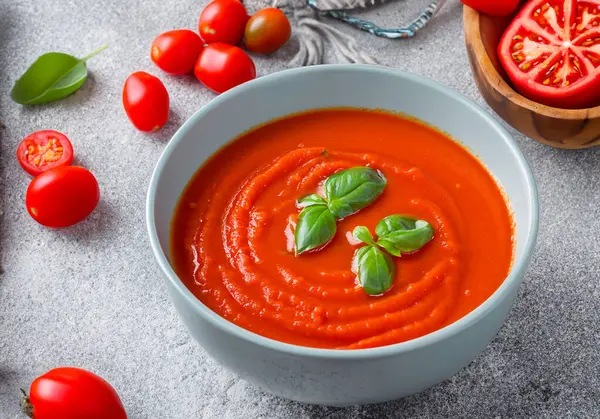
<point x="316" y="226"/>
<point x="389" y="246"/>
<point x="376" y="270"/>
<point x="312" y="199"/>
<point x="353" y="189"/>
<point x="399" y="234"/>
<point x="52" y="76"/>
<point x="363" y="234"/>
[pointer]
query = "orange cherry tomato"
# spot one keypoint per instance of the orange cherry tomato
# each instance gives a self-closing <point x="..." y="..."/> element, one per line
<point x="44" y="150"/>
<point x="223" y="21"/>
<point x="72" y="393"/>
<point x="146" y="101"/>
<point x="267" y="31"/>
<point x="62" y="196"/>
<point x="176" y="52"/>
<point x="221" y="67"/>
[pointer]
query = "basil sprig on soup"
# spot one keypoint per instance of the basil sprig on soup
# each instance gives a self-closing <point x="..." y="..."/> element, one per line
<point x="397" y="234"/>
<point x="346" y="192"/>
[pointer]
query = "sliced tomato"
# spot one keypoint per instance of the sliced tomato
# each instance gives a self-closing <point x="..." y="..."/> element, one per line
<point x="551" y="52"/>
<point x="44" y="150"/>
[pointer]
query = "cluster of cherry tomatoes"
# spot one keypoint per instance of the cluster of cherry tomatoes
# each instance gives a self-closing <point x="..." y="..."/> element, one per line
<point x="59" y="195"/>
<point x="214" y="54"/>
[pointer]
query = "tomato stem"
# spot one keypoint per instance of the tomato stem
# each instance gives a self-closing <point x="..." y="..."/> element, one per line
<point x="26" y="406"/>
<point x="87" y="57"/>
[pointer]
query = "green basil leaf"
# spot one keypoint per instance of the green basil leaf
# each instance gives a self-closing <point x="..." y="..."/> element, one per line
<point x="376" y="270"/>
<point x="353" y="189"/>
<point x="363" y="234"/>
<point x="400" y="234"/>
<point x="389" y="246"/>
<point x="316" y="227"/>
<point x="312" y="199"/>
<point x="52" y="76"/>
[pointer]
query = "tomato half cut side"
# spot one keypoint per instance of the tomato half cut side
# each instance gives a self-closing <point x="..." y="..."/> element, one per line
<point x="44" y="150"/>
<point x="551" y="52"/>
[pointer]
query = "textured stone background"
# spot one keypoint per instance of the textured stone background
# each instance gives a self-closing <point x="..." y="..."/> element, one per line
<point x="92" y="296"/>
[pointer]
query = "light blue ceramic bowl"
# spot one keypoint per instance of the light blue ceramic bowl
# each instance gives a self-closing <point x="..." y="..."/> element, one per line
<point x="337" y="377"/>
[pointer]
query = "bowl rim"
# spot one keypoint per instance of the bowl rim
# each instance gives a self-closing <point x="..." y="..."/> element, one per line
<point x="472" y="29"/>
<point x="515" y="276"/>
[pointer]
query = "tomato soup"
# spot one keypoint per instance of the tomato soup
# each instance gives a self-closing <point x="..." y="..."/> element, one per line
<point x="233" y="244"/>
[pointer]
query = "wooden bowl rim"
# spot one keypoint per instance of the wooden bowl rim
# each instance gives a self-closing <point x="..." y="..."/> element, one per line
<point x="471" y="19"/>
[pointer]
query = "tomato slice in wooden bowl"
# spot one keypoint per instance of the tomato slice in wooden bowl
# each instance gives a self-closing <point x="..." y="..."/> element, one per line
<point x="44" y="150"/>
<point x="551" y="52"/>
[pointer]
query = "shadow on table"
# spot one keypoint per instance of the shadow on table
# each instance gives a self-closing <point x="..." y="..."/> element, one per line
<point x="99" y="224"/>
<point x="9" y="390"/>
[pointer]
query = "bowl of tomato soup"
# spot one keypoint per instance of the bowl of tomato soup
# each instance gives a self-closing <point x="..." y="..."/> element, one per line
<point x="342" y="234"/>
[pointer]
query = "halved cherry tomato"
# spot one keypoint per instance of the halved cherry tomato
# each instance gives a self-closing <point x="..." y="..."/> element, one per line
<point x="267" y="31"/>
<point x="223" y="21"/>
<point x="62" y="196"/>
<point x="146" y="101"/>
<point x="176" y="52"/>
<point x="551" y="52"/>
<point x="44" y="150"/>
<point x="493" y="7"/>
<point x="221" y="67"/>
<point x="72" y="393"/>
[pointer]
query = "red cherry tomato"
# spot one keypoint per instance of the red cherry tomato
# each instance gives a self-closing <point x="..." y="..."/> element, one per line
<point x="221" y="67"/>
<point x="267" y="31"/>
<point x="223" y="21"/>
<point x="146" y="101"/>
<point x="493" y="7"/>
<point x="62" y="196"/>
<point x="551" y="53"/>
<point x="44" y="150"/>
<point x="72" y="393"/>
<point x="176" y="52"/>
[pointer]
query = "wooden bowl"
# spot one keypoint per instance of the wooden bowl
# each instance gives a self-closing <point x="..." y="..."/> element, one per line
<point x="560" y="128"/>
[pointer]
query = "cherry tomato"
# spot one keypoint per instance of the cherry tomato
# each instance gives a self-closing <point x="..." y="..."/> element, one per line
<point x="223" y="21"/>
<point x="493" y="7"/>
<point x="221" y="67"/>
<point x="176" y="52"/>
<point x="72" y="393"/>
<point x="550" y="53"/>
<point x="146" y="101"/>
<point x="267" y="31"/>
<point x="44" y="150"/>
<point x="62" y="196"/>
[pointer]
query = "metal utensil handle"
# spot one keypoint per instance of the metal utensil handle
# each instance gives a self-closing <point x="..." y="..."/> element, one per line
<point x="392" y="33"/>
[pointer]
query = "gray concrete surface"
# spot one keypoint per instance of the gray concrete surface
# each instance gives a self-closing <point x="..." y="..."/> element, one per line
<point x="92" y="296"/>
